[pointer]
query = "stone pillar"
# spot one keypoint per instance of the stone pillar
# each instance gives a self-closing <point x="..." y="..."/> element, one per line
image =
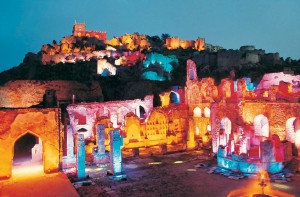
<point x="70" y="142"/>
<point x="101" y="139"/>
<point x="288" y="151"/>
<point x="191" y="144"/>
<point x="100" y="156"/>
<point x="69" y="161"/>
<point x="80" y="157"/>
<point x="115" y="155"/>
<point x="266" y="151"/>
<point x="214" y="122"/>
<point x="114" y="120"/>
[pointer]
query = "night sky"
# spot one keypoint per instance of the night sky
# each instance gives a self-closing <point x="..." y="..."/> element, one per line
<point x="273" y="25"/>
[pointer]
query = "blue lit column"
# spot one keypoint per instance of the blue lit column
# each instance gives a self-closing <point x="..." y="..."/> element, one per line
<point x="116" y="141"/>
<point x="80" y="157"/>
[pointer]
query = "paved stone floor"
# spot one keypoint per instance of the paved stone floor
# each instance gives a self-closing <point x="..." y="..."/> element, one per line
<point x="31" y="181"/>
<point x="165" y="175"/>
<point x="174" y="175"/>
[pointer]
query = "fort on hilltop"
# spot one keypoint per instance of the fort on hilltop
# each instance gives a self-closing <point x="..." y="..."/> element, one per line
<point x="79" y="30"/>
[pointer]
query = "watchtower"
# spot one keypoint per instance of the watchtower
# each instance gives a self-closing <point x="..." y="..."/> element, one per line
<point x="78" y="29"/>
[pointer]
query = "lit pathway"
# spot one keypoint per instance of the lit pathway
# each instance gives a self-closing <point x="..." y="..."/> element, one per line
<point x="31" y="181"/>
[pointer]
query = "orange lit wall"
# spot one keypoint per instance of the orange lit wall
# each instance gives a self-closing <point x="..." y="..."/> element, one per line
<point x="42" y="123"/>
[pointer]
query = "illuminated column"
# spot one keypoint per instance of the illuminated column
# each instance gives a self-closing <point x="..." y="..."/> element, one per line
<point x="114" y="120"/>
<point x="70" y="142"/>
<point x="80" y="157"/>
<point x="101" y="139"/>
<point x="115" y="154"/>
<point x="191" y="144"/>
<point x="297" y="143"/>
<point x="266" y="151"/>
<point x="214" y="122"/>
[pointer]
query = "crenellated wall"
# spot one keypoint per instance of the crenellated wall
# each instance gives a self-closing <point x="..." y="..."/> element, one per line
<point x="175" y="43"/>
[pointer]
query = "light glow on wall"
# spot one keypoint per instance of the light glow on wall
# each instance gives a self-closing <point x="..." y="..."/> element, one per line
<point x="164" y="63"/>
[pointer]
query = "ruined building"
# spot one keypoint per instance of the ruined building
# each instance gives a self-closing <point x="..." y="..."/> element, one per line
<point x="244" y="126"/>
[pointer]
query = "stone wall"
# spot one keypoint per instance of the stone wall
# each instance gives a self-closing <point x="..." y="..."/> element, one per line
<point x="114" y="110"/>
<point x="26" y="93"/>
<point x="244" y="113"/>
<point x="175" y="43"/>
<point x="42" y="123"/>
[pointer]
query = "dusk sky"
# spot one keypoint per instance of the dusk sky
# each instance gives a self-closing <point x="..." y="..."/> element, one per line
<point x="273" y="25"/>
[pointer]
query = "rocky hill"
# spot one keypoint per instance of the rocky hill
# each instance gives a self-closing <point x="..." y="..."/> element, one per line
<point x="144" y="64"/>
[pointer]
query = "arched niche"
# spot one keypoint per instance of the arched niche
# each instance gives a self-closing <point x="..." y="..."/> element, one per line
<point x="290" y="130"/>
<point x="261" y="125"/>
<point x="206" y="112"/>
<point x="197" y="112"/>
<point x="27" y="149"/>
<point x="174" y="98"/>
<point x="225" y="124"/>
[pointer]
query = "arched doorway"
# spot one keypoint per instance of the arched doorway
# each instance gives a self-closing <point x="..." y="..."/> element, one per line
<point x="174" y="98"/>
<point x="290" y="130"/>
<point x="140" y="112"/>
<point x="197" y="112"/>
<point x="27" y="155"/>
<point x="261" y="126"/>
<point x="225" y="131"/>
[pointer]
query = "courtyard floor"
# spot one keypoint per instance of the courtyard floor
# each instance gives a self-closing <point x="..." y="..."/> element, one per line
<point x="30" y="180"/>
<point x="174" y="175"/>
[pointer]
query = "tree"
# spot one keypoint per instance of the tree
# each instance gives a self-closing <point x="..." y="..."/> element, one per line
<point x="165" y="36"/>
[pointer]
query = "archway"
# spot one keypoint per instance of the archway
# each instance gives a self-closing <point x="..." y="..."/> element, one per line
<point x="225" y="130"/>
<point x="290" y="130"/>
<point x="261" y="125"/>
<point x="191" y="74"/>
<point x="174" y="98"/>
<point x="27" y="155"/>
<point x="140" y="111"/>
<point x="197" y="112"/>
<point x="206" y="112"/>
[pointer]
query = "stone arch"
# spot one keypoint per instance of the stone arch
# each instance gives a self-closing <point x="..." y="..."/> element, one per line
<point x="20" y="137"/>
<point x="225" y="124"/>
<point x="174" y="97"/>
<point x="290" y="130"/>
<point x="206" y="112"/>
<point x="297" y="134"/>
<point x="197" y="112"/>
<point x="261" y="125"/>
<point x="191" y="70"/>
<point x="121" y="113"/>
<point x="42" y="123"/>
<point x="225" y="130"/>
<point x="141" y="111"/>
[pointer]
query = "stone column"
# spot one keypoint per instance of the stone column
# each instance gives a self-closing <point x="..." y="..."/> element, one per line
<point x="101" y="139"/>
<point x="70" y="141"/>
<point x="80" y="157"/>
<point x="100" y="156"/>
<point x="69" y="161"/>
<point x="214" y="122"/>
<point x="115" y="155"/>
<point x="266" y="151"/>
<point x="191" y="144"/>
